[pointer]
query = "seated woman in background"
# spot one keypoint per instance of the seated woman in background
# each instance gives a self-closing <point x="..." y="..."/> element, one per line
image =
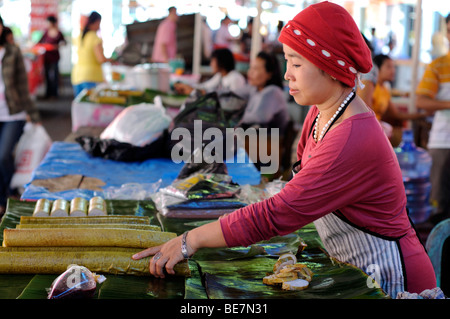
<point x="381" y="99"/>
<point x="225" y="76"/>
<point x="266" y="101"/>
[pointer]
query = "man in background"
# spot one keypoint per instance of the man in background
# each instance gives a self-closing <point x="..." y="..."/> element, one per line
<point x="433" y="96"/>
<point x="165" y="46"/>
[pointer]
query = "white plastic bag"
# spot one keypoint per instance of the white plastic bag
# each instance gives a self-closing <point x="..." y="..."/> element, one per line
<point x="134" y="191"/>
<point x="31" y="149"/>
<point x="138" y="125"/>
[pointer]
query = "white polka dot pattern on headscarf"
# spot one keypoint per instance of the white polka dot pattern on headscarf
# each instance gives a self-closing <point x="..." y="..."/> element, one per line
<point x="301" y="36"/>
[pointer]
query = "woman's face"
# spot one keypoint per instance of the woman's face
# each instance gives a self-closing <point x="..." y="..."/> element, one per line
<point x="214" y="66"/>
<point x="308" y="85"/>
<point x="95" y="26"/>
<point x="387" y="71"/>
<point x="257" y="74"/>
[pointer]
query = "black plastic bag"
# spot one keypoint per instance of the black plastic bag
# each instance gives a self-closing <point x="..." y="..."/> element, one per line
<point x="124" y="152"/>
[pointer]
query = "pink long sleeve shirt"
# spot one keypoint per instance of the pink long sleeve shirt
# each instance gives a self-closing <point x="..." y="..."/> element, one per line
<point x="353" y="171"/>
<point x="166" y="34"/>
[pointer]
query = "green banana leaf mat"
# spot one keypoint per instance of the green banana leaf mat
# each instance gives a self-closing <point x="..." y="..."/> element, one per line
<point x="228" y="273"/>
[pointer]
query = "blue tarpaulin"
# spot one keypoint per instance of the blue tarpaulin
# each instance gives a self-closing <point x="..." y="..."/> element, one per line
<point x="66" y="158"/>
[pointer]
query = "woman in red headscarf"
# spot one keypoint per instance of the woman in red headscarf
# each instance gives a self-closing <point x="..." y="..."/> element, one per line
<point x="347" y="179"/>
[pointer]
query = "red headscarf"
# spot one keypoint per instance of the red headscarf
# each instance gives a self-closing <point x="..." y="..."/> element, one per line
<point x="326" y="35"/>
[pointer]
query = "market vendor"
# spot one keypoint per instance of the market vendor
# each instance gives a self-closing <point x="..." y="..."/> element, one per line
<point x="347" y="179"/>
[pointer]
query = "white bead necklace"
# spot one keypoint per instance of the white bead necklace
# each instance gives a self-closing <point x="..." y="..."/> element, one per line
<point x="324" y="129"/>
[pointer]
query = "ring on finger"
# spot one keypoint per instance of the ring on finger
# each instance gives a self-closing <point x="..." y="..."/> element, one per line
<point x="157" y="256"/>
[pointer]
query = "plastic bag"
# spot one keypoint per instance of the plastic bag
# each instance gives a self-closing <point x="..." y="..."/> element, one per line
<point x="206" y="166"/>
<point x="275" y="186"/>
<point x="199" y="195"/>
<point x="31" y="149"/>
<point x="124" y="152"/>
<point x="251" y="194"/>
<point x="213" y="186"/>
<point x="77" y="282"/>
<point x="138" y="124"/>
<point x="132" y="191"/>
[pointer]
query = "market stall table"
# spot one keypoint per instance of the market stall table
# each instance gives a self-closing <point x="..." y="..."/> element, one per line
<point x="99" y="107"/>
<point x="215" y="273"/>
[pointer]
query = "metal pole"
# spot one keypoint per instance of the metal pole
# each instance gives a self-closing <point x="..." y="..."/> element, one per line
<point x="197" y="53"/>
<point x="415" y="59"/>
<point x="256" y="36"/>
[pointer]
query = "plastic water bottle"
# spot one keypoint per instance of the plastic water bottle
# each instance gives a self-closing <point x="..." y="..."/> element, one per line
<point x="415" y="164"/>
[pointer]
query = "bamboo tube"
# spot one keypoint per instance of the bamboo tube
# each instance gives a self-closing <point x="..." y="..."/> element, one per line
<point x="49" y="260"/>
<point x="127" y="226"/>
<point x="111" y="219"/>
<point x="78" y="207"/>
<point x="97" y="207"/>
<point x="60" y="208"/>
<point x="42" y="208"/>
<point x="84" y="237"/>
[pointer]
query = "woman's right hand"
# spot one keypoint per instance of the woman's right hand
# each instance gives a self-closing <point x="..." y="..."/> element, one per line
<point x="165" y="256"/>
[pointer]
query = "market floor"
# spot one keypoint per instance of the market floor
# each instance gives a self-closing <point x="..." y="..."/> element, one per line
<point x="55" y="113"/>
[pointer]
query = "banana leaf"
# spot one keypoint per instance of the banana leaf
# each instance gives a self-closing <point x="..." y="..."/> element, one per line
<point x="243" y="279"/>
<point x="12" y="285"/>
<point x="194" y="288"/>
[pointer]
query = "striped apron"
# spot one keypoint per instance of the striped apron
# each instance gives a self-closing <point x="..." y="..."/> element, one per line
<point x="379" y="257"/>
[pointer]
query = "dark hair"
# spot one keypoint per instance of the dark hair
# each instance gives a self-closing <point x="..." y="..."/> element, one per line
<point x="369" y="45"/>
<point x="447" y="20"/>
<point x="52" y="19"/>
<point x="272" y="66"/>
<point x="3" y="38"/>
<point x="225" y="59"/>
<point x="3" y="34"/>
<point x="93" y="17"/>
<point x="280" y="25"/>
<point x="7" y="31"/>
<point x="379" y="59"/>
